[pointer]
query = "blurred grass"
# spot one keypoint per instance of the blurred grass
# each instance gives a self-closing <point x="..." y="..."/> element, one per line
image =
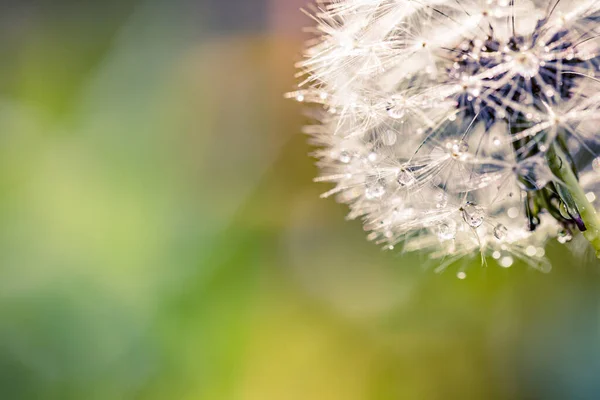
<point x="161" y="238"/>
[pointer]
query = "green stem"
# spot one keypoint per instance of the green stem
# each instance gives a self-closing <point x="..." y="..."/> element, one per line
<point x="558" y="162"/>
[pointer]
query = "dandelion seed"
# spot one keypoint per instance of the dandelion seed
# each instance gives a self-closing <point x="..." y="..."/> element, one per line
<point x="389" y="138"/>
<point x="460" y="133"/>
<point x="500" y="232"/>
<point x="345" y="157"/>
<point x="473" y="215"/>
<point x="446" y="230"/>
<point x="374" y="188"/>
<point x="405" y="178"/>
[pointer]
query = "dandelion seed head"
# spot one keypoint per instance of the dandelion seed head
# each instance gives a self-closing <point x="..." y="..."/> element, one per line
<point x="435" y="119"/>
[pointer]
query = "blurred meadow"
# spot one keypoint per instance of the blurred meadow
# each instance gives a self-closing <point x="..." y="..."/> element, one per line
<point x="161" y="238"/>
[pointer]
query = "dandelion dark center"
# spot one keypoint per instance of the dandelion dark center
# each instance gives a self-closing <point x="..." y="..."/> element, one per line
<point x="509" y="82"/>
<point x="535" y="71"/>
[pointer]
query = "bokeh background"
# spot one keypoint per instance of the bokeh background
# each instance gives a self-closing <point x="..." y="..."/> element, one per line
<point x="160" y="236"/>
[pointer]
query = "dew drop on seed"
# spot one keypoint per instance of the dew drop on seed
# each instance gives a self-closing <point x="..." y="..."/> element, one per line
<point x="441" y="199"/>
<point x="446" y="230"/>
<point x="374" y="188"/>
<point x="513" y="212"/>
<point x="405" y="178"/>
<point x="473" y="215"/>
<point x="531" y="251"/>
<point x="500" y="232"/>
<point x="458" y="148"/>
<point x="540" y="252"/>
<point x="590" y="196"/>
<point x="396" y="108"/>
<point x="564" y="236"/>
<point x="506" y="262"/>
<point x="389" y="138"/>
<point x="345" y="157"/>
<point x="562" y="208"/>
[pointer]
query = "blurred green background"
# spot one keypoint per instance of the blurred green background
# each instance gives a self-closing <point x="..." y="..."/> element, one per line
<point x="160" y="236"/>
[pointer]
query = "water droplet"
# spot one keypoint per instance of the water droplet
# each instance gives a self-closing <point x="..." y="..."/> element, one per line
<point x="590" y="196"/>
<point x="345" y="157"/>
<point x="473" y="215"/>
<point x="540" y="252"/>
<point x="496" y="140"/>
<point x="564" y="236"/>
<point x="562" y="208"/>
<point x="596" y="164"/>
<point x="531" y="251"/>
<point x="405" y="178"/>
<point x="461" y="275"/>
<point x="458" y="148"/>
<point x="446" y="230"/>
<point x="500" y="232"/>
<point x="441" y="199"/>
<point x="389" y="138"/>
<point x="396" y="107"/>
<point x="506" y="262"/>
<point x="374" y="188"/>
<point x="513" y="212"/>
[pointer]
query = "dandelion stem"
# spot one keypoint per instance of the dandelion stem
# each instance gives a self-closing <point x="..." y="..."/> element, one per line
<point x="558" y="162"/>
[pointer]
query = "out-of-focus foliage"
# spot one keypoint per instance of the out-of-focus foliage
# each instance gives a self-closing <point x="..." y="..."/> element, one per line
<point x="160" y="237"/>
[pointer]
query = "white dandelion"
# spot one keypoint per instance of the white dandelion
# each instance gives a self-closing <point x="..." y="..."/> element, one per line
<point x="459" y="127"/>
